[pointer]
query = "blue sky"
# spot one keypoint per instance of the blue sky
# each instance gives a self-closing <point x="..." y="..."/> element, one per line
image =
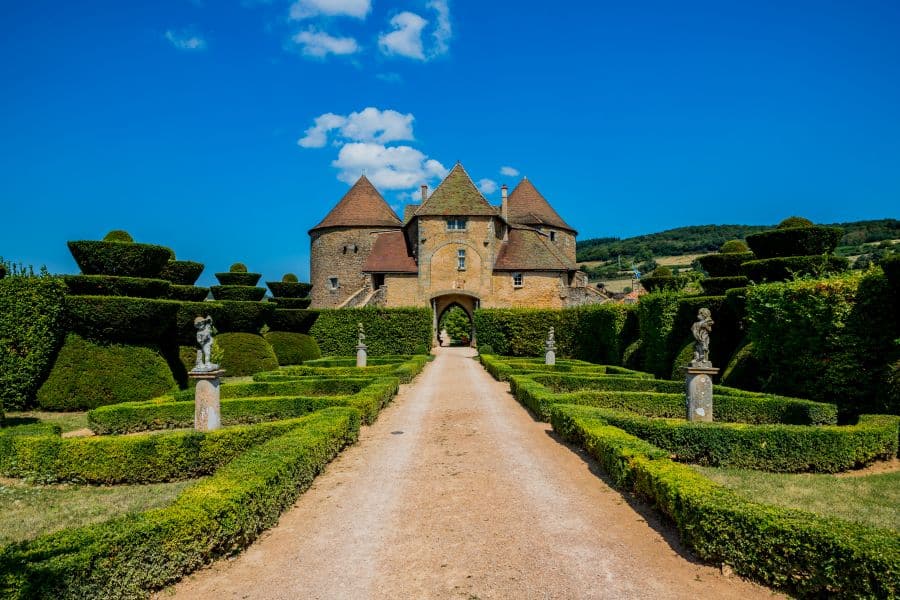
<point x="226" y="129"/>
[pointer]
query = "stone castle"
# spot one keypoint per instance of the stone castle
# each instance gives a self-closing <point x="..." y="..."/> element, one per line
<point x="454" y="248"/>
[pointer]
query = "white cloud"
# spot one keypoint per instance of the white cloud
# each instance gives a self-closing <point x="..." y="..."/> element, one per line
<point x="509" y="171"/>
<point x="406" y="39"/>
<point x="444" y="31"/>
<point x="185" y="41"/>
<point x="487" y="186"/>
<point x="305" y="9"/>
<point x="387" y="167"/>
<point x="367" y="125"/>
<point x="319" y="44"/>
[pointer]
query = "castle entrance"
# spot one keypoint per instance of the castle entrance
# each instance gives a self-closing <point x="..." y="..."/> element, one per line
<point x="454" y="311"/>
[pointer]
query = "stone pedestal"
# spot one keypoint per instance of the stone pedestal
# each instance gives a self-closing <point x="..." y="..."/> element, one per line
<point x="698" y="389"/>
<point x="362" y="355"/>
<point x="207" y="410"/>
<point x="550" y="357"/>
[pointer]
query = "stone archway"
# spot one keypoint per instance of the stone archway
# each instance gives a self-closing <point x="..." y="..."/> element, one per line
<point x="443" y="301"/>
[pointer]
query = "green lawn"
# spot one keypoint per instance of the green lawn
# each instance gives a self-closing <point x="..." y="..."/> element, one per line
<point x="27" y="511"/>
<point x="869" y="499"/>
<point x="69" y="421"/>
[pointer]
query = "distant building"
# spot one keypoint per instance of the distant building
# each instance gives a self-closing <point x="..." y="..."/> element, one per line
<point x="453" y="248"/>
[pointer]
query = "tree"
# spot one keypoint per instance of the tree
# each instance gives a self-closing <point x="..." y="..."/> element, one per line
<point x="457" y="323"/>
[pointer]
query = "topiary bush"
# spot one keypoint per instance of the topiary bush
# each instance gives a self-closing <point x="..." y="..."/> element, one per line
<point x="118" y="235"/>
<point x="790" y="267"/>
<point x="126" y="259"/>
<point x="182" y="272"/>
<point x="241" y="293"/>
<point x="682" y="358"/>
<point x="717" y="286"/>
<point x="237" y="268"/>
<point x="388" y="330"/>
<point x="288" y="289"/>
<point x="122" y="319"/>
<point x="289" y="278"/>
<point x="188" y="293"/>
<point x="292" y="320"/>
<point x="293" y="348"/>
<point x="734" y="247"/>
<point x="245" y="279"/>
<point x="792" y="222"/>
<point x="292" y="303"/>
<point x="795" y="241"/>
<point x="245" y="354"/>
<point x="658" y="283"/>
<point x="111" y="285"/>
<point x="87" y="374"/>
<point x="743" y="370"/>
<point x="724" y="265"/>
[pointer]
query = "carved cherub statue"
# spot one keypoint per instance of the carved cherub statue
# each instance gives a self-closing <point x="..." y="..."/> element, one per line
<point x="362" y="335"/>
<point x="551" y="339"/>
<point x="701" y="330"/>
<point x="204" y="327"/>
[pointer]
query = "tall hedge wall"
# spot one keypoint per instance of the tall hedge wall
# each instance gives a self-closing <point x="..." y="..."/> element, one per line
<point x="595" y="333"/>
<point x="388" y="330"/>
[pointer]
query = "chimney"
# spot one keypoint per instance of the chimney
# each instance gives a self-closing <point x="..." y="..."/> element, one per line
<point x="424" y="192"/>
<point x="504" y="211"/>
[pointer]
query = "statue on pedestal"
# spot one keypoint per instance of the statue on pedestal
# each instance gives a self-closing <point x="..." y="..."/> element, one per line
<point x="701" y="330"/>
<point x="205" y="332"/>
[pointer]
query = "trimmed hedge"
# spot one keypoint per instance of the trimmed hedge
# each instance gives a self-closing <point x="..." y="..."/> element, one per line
<point x="32" y="328"/>
<point x="118" y="235"/>
<point x="743" y="370"/>
<point x="717" y="286"/>
<point x="111" y="285"/>
<point x="501" y="368"/>
<point x="287" y="289"/>
<point x="182" y="272"/>
<point x="657" y="283"/>
<point x="245" y="354"/>
<point x="293" y="348"/>
<point x="228" y="316"/>
<point x="238" y="278"/>
<point x="238" y="292"/>
<point x="656" y="315"/>
<point x="406" y="371"/>
<point x="119" y="258"/>
<point x="293" y="303"/>
<point x="724" y="265"/>
<point x="294" y="321"/>
<point x="795" y="241"/>
<point x="188" y="293"/>
<point x="388" y="330"/>
<point x="310" y="386"/>
<point x="790" y="267"/>
<point x="87" y="374"/>
<point x="130" y="555"/>
<point x="121" y="319"/>
<point x="789" y="549"/>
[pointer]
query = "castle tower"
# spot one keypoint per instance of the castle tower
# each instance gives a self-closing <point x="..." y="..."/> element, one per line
<point x="526" y="206"/>
<point x="341" y="243"/>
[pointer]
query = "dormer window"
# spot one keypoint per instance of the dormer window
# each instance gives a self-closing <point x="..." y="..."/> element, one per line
<point x="456" y="224"/>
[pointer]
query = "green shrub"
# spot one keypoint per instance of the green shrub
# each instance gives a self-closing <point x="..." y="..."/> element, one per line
<point x="119" y="258"/>
<point x="792" y="222"/>
<point x="743" y="370"/>
<point x="891" y="267"/>
<point x="237" y="268"/>
<point x="238" y="292"/>
<point x="293" y="348"/>
<point x="238" y="278"/>
<point x="793" y="550"/>
<point x="188" y="293"/>
<point x="246" y="354"/>
<point x="790" y="267"/>
<point x="656" y="315"/>
<point x="32" y="328"/>
<point x="717" y="286"/>
<point x="795" y="241"/>
<point x="485" y="349"/>
<point x="293" y="320"/>
<point x="405" y="371"/>
<point x="87" y="374"/>
<point x="633" y="358"/>
<point x="662" y="271"/>
<point x="111" y="285"/>
<point x="118" y="235"/>
<point x="501" y="368"/>
<point x="292" y="304"/>
<point x="724" y="265"/>
<point x="289" y="278"/>
<point x="289" y="289"/>
<point x="182" y="272"/>
<point x="734" y="247"/>
<point x="131" y="555"/>
<point x="228" y="317"/>
<point x="121" y="319"/>
<point x="682" y="358"/>
<point x="307" y="386"/>
<point x="388" y="330"/>
<point x="658" y="283"/>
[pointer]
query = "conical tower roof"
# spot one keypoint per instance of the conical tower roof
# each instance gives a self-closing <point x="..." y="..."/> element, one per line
<point x="528" y="207"/>
<point x="361" y="206"/>
<point x="456" y="195"/>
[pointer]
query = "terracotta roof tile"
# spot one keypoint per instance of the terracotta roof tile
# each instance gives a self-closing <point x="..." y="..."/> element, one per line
<point x="390" y="254"/>
<point x="530" y="250"/>
<point x="456" y="195"/>
<point x="361" y="206"/>
<point x="528" y="207"/>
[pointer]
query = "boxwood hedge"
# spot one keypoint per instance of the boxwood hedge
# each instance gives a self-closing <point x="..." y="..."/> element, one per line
<point x="293" y="303"/>
<point x="119" y="258"/>
<point x="111" y="285"/>
<point x="294" y="321"/>
<point x="245" y="354"/>
<point x="121" y="319"/>
<point x="790" y="267"/>
<point x="188" y="293"/>
<point x="717" y="286"/>
<point x="288" y="289"/>
<point x="181" y="272"/>
<point x="724" y="265"/>
<point x="238" y="292"/>
<point x="293" y="348"/>
<point x="794" y="241"/>
<point x="238" y="278"/>
<point x="388" y="330"/>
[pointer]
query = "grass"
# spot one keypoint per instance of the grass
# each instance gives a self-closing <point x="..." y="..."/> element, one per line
<point x="28" y="511"/>
<point x="69" y="421"/>
<point x="868" y="499"/>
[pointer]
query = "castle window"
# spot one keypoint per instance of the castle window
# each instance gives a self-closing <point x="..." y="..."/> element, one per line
<point x="461" y="259"/>
<point x="333" y="283"/>
<point x="350" y="247"/>
<point x="456" y="224"/>
<point x="517" y="280"/>
<point x="552" y="236"/>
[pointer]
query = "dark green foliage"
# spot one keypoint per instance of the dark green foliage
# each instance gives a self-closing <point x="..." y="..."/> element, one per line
<point x="792" y="222"/>
<point x="289" y="278"/>
<point x="293" y="303"/>
<point x="596" y="333"/>
<point x="121" y="319"/>
<point x="293" y="348"/>
<point x="456" y="322"/>
<point x="403" y="368"/>
<point x="796" y="241"/>
<point x="111" y="285"/>
<point x="238" y="292"/>
<point x="656" y="314"/>
<point x="182" y="272"/>
<point x="118" y="235"/>
<point x="734" y="247"/>
<point x="2" y="271"/>
<point x="502" y="368"/>
<point x="32" y="327"/>
<point x="293" y="320"/>
<point x="238" y="278"/>
<point x="289" y="289"/>
<point x="247" y="317"/>
<point x="657" y="283"/>
<point x="119" y="258"/>
<point x="662" y="272"/>
<point x="633" y="357"/>
<point x="237" y="268"/>
<point x="388" y="330"/>
<point x="790" y="267"/>
<point x="743" y="370"/>
<point x="802" y="553"/>
<point x="188" y="293"/>
<point x="681" y="360"/>
<point x="130" y="555"/>
<point x="891" y="268"/>
<point x="717" y="286"/>
<point x="87" y="374"/>
<point x="246" y="354"/>
<point x="724" y="265"/>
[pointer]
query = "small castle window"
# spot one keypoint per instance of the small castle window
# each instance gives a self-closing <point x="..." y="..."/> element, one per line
<point x="351" y="247"/>
<point x="517" y="280"/>
<point x="461" y="259"/>
<point x="552" y="236"/>
<point x="456" y="224"/>
<point x="333" y="283"/>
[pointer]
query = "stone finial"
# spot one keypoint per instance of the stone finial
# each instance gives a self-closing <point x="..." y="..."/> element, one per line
<point x="701" y="331"/>
<point x="205" y="333"/>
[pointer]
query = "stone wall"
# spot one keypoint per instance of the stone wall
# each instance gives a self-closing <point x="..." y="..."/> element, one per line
<point x="403" y="290"/>
<point x="338" y="252"/>
<point x="539" y="290"/>
<point x="438" y="249"/>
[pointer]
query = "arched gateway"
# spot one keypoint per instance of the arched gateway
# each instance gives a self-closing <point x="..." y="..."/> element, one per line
<point x="445" y="299"/>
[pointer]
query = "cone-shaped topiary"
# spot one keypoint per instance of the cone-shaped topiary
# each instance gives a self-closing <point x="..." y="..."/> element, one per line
<point x="126" y="259"/>
<point x="118" y="235"/>
<point x="734" y="247"/>
<point x="182" y="272"/>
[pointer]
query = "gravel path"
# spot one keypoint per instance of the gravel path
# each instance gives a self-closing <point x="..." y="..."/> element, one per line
<point x="456" y="492"/>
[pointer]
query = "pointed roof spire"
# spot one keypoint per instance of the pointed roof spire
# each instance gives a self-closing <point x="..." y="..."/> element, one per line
<point x="456" y="195"/>
<point x="361" y="206"/>
<point x="528" y="207"/>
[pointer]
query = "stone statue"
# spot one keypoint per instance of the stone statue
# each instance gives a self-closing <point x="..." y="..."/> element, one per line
<point x="550" y="344"/>
<point x="362" y="355"/>
<point x="205" y="332"/>
<point x="551" y="337"/>
<point x="701" y="330"/>
<point x="362" y="335"/>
